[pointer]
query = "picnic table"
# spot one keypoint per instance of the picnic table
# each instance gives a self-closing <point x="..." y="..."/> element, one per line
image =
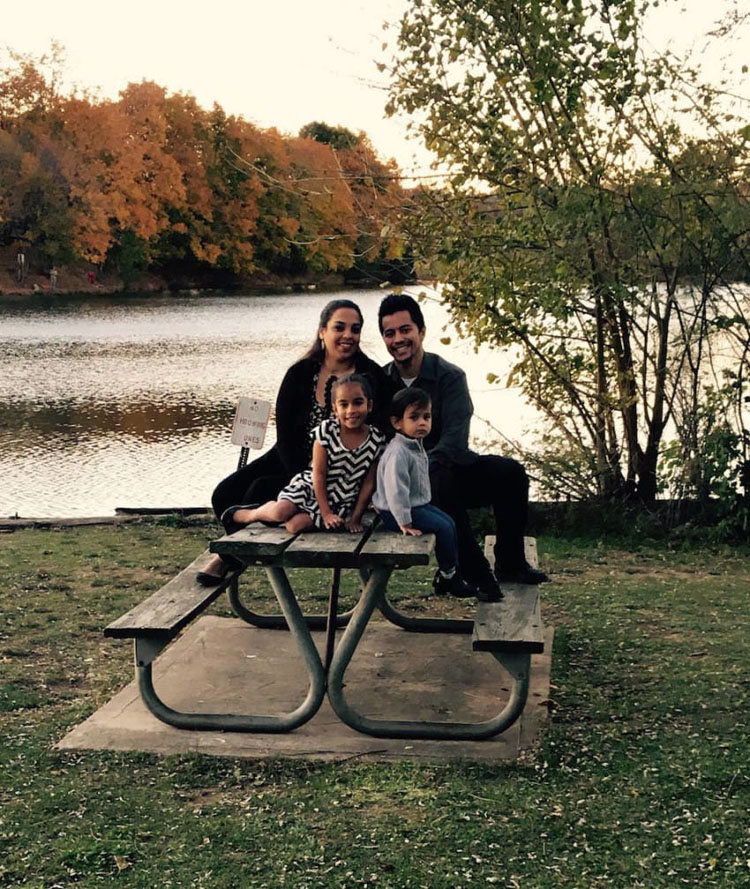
<point x="511" y="630"/>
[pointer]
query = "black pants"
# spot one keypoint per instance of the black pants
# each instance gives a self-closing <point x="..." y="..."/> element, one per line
<point x="257" y="482"/>
<point x="499" y="482"/>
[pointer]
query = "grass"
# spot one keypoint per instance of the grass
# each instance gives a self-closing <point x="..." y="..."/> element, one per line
<point x="642" y="776"/>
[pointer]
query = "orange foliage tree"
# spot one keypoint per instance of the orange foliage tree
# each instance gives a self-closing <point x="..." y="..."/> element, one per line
<point x="153" y="180"/>
<point x="375" y="195"/>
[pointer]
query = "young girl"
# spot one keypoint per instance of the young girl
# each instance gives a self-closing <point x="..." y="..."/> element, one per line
<point x="403" y="492"/>
<point x="336" y="490"/>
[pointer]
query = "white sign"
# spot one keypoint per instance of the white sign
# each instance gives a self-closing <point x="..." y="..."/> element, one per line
<point x="250" y="423"/>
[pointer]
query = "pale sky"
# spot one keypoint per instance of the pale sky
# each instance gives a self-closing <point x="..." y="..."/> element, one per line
<point x="279" y="63"/>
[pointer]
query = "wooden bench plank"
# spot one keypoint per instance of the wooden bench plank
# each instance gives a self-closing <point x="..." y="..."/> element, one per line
<point x="169" y="609"/>
<point x="255" y="544"/>
<point x="515" y="623"/>
<point x="397" y="550"/>
<point x="529" y="546"/>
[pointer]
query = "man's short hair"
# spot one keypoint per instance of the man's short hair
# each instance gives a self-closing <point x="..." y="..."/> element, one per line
<point x="400" y="302"/>
<point x="405" y="398"/>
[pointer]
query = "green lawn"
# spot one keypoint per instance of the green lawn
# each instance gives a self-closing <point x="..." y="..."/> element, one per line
<point x="642" y="777"/>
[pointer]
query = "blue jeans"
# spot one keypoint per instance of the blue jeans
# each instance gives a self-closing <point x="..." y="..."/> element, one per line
<point x="432" y="520"/>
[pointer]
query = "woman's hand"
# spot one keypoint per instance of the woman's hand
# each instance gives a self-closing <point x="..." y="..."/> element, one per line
<point x="410" y="531"/>
<point x="354" y="525"/>
<point x="332" y="521"/>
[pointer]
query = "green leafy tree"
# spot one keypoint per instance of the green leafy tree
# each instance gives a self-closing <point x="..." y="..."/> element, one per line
<point x="337" y="137"/>
<point x="128" y="256"/>
<point x="595" y="213"/>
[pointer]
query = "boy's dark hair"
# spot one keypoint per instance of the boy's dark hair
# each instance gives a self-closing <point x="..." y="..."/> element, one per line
<point x="359" y="379"/>
<point x="405" y="398"/>
<point x="400" y="302"/>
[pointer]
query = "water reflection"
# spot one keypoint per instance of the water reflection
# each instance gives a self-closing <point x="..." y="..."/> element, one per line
<point x="75" y="421"/>
<point x="128" y="401"/>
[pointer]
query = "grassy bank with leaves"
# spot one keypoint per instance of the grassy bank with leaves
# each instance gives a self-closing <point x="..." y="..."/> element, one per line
<point x="642" y="777"/>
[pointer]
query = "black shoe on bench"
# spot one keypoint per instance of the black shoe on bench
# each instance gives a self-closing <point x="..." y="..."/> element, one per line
<point x="488" y="590"/>
<point x="452" y="586"/>
<point x="206" y="579"/>
<point x="484" y="591"/>
<point x="525" y="574"/>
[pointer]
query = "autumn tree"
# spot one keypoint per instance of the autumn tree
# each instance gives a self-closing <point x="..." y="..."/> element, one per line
<point x="595" y="217"/>
<point x="153" y="181"/>
<point x="327" y="220"/>
<point x="33" y="189"/>
<point x="90" y="142"/>
<point x="28" y="85"/>
<point x="377" y="199"/>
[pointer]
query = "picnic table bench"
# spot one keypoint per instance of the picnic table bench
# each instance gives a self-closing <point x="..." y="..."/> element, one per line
<point x="511" y="630"/>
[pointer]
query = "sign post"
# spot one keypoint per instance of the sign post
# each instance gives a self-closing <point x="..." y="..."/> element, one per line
<point x="250" y="424"/>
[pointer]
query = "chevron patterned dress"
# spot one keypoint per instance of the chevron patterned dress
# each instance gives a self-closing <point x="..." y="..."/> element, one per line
<point x="346" y="470"/>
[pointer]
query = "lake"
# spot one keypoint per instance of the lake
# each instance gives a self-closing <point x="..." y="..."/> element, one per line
<point x="128" y="401"/>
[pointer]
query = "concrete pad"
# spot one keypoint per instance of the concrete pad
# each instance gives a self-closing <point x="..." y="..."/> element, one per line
<point x="221" y="664"/>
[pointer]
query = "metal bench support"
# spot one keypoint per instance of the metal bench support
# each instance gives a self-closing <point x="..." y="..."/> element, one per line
<point x="517" y="664"/>
<point x="146" y="650"/>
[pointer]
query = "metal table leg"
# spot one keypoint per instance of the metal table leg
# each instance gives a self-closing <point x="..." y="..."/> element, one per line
<point x="518" y="665"/>
<point x="147" y="649"/>
<point x="278" y="621"/>
<point x="419" y="624"/>
<point x="424" y="624"/>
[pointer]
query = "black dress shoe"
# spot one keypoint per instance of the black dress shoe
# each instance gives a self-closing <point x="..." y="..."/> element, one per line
<point x="488" y="590"/>
<point x="525" y="574"/>
<point x="227" y="517"/>
<point x="452" y="586"/>
<point x="206" y="579"/>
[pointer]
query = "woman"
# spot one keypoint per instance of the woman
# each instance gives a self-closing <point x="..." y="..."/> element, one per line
<point x="302" y="404"/>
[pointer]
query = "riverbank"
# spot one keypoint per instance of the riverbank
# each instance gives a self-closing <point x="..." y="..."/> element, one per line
<point x="86" y="278"/>
<point x="74" y="281"/>
<point x="641" y="777"/>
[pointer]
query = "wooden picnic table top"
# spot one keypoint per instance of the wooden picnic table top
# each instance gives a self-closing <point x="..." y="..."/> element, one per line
<point x="510" y="630"/>
<point x="261" y="545"/>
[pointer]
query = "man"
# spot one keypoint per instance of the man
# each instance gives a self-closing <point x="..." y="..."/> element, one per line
<point x="460" y="478"/>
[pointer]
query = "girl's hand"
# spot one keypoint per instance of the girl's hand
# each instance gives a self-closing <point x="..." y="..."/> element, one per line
<point x="410" y="531"/>
<point x="354" y="525"/>
<point x="332" y="521"/>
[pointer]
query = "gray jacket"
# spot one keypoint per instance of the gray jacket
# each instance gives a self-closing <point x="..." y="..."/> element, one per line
<point x="445" y="383"/>
<point x="403" y="478"/>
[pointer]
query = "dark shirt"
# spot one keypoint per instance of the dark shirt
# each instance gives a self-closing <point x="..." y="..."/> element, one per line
<point x="294" y="404"/>
<point x="445" y="383"/>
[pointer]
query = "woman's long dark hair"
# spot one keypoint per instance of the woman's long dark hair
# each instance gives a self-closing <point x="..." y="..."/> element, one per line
<point x="316" y="351"/>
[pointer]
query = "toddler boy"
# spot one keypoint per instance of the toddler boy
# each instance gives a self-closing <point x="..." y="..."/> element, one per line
<point x="402" y="494"/>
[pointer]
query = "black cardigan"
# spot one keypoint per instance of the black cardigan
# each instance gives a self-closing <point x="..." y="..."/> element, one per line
<point x="294" y="403"/>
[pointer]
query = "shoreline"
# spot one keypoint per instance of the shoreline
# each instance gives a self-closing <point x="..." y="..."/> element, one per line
<point x="656" y="521"/>
<point x="74" y="281"/>
<point x="250" y="289"/>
